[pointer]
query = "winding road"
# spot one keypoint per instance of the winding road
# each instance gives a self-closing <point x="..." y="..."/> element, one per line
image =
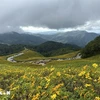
<point x="11" y="59"/>
<point x="43" y="61"/>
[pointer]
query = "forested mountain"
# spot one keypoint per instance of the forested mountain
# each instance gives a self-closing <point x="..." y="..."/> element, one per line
<point x="10" y="49"/>
<point x="92" y="48"/>
<point x="52" y="48"/>
<point x="49" y="48"/>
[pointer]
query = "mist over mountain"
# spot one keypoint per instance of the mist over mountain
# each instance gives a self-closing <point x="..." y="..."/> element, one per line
<point x="17" y="38"/>
<point x="80" y="38"/>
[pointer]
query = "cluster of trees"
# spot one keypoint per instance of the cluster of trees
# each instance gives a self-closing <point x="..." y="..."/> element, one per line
<point x="10" y="49"/>
<point x="52" y="48"/>
<point x="92" y="48"/>
<point x="47" y="49"/>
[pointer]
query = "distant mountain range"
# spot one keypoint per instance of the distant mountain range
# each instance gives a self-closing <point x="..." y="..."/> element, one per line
<point x="16" y="38"/>
<point x="80" y="38"/>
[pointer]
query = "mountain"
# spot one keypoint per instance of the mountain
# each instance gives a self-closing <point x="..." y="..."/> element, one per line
<point x="16" y="38"/>
<point x="80" y="38"/>
<point x="51" y="48"/>
<point x="92" y="48"/>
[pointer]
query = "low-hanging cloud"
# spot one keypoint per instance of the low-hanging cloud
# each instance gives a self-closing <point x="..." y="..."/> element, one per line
<point x="54" y="14"/>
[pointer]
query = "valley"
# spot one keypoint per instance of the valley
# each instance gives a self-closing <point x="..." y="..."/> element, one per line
<point x="27" y="76"/>
<point x="35" y="73"/>
<point x="39" y="61"/>
<point x="49" y="49"/>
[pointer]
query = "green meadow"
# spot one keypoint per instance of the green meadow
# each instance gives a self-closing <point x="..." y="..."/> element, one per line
<point x="77" y="79"/>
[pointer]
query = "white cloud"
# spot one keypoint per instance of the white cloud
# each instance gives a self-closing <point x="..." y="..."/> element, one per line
<point x="90" y="26"/>
<point x="35" y="29"/>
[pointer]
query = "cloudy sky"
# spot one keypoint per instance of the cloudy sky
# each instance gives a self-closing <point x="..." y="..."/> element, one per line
<point x="49" y="15"/>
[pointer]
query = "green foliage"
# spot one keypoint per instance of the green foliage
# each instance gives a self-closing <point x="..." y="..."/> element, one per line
<point x="92" y="48"/>
<point x="49" y="48"/>
<point x="52" y="48"/>
<point x="10" y="49"/>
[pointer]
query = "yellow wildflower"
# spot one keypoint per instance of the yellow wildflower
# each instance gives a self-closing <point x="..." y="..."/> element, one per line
<point x="65" y="97"/>
<point x="95" y="80"/>
<point x="15" y="88"/>
<point x="52" y="69"/>
<point x="85" y="67"/>
<point x="12" y="96"/>
<point x="39" y="87"/>
<point x="32" y="84"/>
<point x="87" y="85"/>
<point x="97" y="98"/>
<point x="81" y="73"/>
<point x="43" y="93"/>
<point x="24" y="76"/>
<point x="88" y="76"/>
<point x="53" y="96"/>
<point x="47" y="85"/>
<point x="47" y="79"/>
<point x="57" y="92"/>
<point x="58" y="74"/>
<point x="99" y="80"/>
<point x="36" y="97"/>
<point x="95" y="65"/>
<point x="1" y="89"/>
<point x="75" y="88"/>
<point x="57" y="86"/>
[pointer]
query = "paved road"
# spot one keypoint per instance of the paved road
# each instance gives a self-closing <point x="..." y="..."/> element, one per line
<point x="11" y="59"/>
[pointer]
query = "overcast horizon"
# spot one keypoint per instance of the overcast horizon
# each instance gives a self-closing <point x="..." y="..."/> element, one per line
<point x="49" y="15"/>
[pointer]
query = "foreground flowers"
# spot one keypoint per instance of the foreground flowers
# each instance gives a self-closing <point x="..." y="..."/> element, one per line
<point x="95" y="65"/>
<point x="53" y="96"/>
<point x="51" y="83"/>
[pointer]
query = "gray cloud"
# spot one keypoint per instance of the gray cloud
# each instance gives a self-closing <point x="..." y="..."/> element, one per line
<point x="47" y="13"/>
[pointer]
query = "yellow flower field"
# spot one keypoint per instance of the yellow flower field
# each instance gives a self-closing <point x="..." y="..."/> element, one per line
<point x="50" y="83"/>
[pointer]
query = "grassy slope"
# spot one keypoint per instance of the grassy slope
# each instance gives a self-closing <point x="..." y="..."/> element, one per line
<point x="29" y="55"/>
<point x="69" y="55"/>
<point x="24" y="77"/>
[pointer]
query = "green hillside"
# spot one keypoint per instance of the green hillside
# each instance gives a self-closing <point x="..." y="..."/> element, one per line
<point x="68" y="55"/>
<point x="65" y="80"/>
<point x="92" y="48"/>
<point x="29" y="55"/>
<point x="77" y="79"/>
<point x="52" y="48"/>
